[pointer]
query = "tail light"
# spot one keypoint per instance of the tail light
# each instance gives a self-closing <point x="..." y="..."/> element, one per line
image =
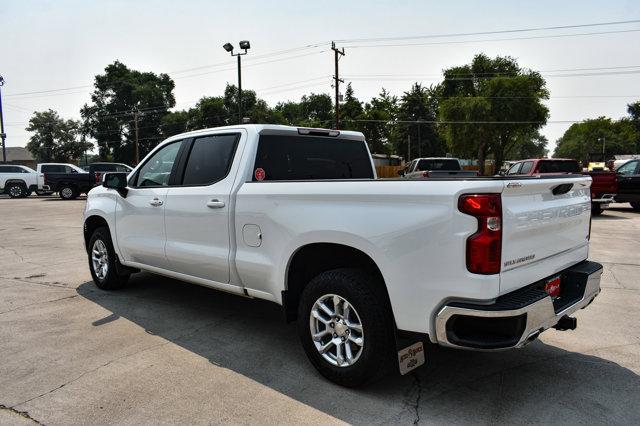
<point x="484" y="248"/>
<point x="46" y="180"/>
<point x="98" y="175"/>
<point x="425" y="174"/>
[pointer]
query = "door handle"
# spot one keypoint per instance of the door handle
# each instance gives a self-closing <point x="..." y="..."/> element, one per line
<point x="156" y="202"/>
<point x="215" y="204"/>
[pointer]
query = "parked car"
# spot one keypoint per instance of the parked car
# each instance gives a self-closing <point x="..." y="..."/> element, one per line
<point x="68" y="180"/>
<point x="603" y="187"/>
<point x="20" y="181"/>
<point x="98" y="169"/>
<point x="369" y="268"/>
<point x="433" y="167"/>
<point x="629" y="184"/>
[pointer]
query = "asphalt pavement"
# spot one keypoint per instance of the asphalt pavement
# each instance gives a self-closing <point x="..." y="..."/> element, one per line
<point x="164" y="352"/>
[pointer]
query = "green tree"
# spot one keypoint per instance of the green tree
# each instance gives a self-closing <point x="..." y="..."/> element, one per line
<point x="378" y="121"/>
<point x="350" y="110"/>
<point x="417" y="113"/>
<point x="589" y="137"/>
<point x="530" y="146"/>
<point x="501" y="102"/>
<point x="55" y="139"/>
<point x="117" y="95"/>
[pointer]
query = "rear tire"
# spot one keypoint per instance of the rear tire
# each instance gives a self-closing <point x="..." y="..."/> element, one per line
<point x="103" y="261"/>
<point x="596" y="210"/>
<point x="16" y="190"/>
<point x="372" y="358"/>
<point x="68" y="192"/>
<point x="635" y="205"/>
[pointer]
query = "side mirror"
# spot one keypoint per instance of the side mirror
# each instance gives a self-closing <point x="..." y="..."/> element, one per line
<point x="502" y="173"/>
<point x="401" y="172"/>
<point x="117" y="181"/>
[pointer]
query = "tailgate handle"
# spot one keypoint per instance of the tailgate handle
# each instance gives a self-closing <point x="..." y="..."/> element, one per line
<point x="562" y="189"/>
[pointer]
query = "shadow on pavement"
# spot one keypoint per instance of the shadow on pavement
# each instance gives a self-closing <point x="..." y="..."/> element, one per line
<point x="540" y="383"/>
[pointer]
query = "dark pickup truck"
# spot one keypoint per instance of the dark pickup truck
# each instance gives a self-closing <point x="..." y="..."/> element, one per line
<point x="70" y="185"/>
<point x="604" y="184"/>
<point x="629" y="184"/>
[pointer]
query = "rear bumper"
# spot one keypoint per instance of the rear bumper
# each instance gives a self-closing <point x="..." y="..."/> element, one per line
<point x="516" y="318"/>
<point x="604" y="199"/>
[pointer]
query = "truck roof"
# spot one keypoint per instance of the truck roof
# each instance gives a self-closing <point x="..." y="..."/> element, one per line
<point x="270" y="129"/>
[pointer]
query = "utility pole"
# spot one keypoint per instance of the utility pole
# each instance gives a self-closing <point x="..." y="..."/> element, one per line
<point x="338" y="80"/>
<point x="136" y="113"/>
<point x="419" y="140"/>
<point x="604" y="141"/>
<point x="3" y="136"/>
<point x="408" y="148"/>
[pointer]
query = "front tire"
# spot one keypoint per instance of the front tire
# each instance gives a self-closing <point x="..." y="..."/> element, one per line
<point x="68" y="193"/>
<point x="635" y="205"/>
<point x="346" y="328"/>
<point x="103" y="261"/>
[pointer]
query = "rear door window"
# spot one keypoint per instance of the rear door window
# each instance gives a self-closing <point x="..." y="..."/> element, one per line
<point x="311" y="157"/>
<point x="210" y="159"/>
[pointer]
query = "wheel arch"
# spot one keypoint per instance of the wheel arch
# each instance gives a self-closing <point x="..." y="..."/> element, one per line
<point x="314" y="258"/>
<point x="92" y="223"/>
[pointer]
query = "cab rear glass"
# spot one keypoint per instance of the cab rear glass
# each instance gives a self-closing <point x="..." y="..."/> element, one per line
<point x="310" y="157"/>
<point x="558" y="167"/>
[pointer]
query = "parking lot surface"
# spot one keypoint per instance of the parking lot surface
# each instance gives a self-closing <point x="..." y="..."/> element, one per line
<point x="163" y="352"/>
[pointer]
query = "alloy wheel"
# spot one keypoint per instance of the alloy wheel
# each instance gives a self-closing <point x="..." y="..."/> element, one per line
<point x="100" y="259"/>
<point x="336" y="330"/>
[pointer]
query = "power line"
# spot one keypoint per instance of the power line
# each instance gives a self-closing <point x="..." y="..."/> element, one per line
<point x="492" y="39"/>
<point x="517" y="30"/>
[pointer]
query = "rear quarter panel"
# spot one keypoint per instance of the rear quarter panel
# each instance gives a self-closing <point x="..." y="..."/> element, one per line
<point x="411" y="229"/>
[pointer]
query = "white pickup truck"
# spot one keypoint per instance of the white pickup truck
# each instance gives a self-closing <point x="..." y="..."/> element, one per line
<point x="369" y="268"/>
<point x="20" y="181"/>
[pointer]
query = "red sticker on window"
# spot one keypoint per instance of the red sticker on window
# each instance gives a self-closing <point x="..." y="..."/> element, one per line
<point x="260" y="174"/>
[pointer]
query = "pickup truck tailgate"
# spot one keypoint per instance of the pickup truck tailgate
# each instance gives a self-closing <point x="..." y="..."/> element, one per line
<point x="545" y="228"/>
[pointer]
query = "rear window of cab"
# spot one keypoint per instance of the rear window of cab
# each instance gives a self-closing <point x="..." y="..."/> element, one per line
<point x="310" y="157"/>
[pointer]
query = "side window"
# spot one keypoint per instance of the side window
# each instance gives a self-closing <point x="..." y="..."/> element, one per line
<point x="628" y="168"/>
<point x="120" y="168"/>
<point x="515" y="169"/>
<point x="210" y="159"/>
<point x="526" y="167"/>
<point x="157" y="170"/>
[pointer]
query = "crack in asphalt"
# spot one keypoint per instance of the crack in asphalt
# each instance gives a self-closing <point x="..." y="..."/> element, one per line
<point x="24" y="414"/>
<point x="44" y="283"/>
<point x="416" y="404"/>
<point x="38" y="303"/>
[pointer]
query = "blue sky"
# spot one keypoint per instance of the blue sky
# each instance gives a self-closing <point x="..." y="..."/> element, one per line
<point x="63" y="44"/>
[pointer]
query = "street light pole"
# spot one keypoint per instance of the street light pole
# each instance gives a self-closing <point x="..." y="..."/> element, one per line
<point x="3" y="135"/>
<point x="244" y="44"/>
<point x="239" y="89"/>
